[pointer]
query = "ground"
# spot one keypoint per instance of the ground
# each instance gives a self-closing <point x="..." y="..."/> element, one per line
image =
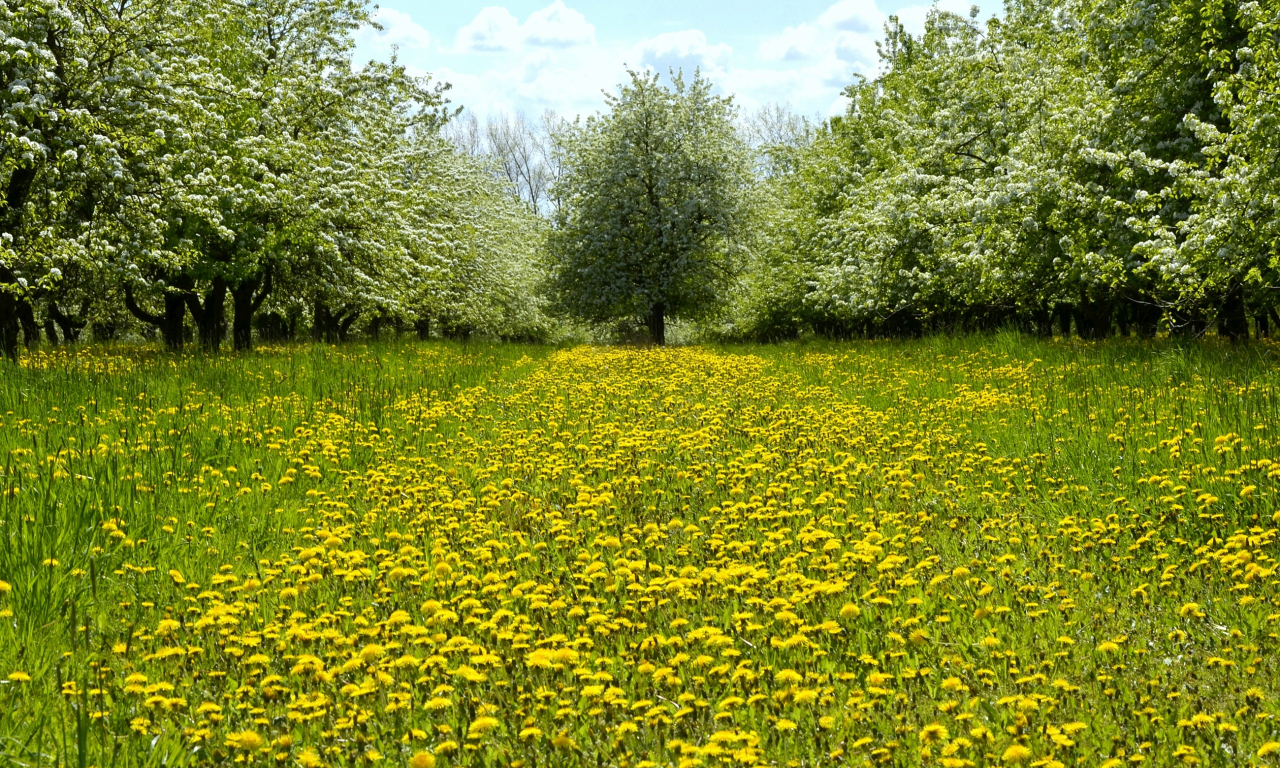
<point x="947" y="552"/>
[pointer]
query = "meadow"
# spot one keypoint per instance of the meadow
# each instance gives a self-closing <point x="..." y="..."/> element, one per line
<point x="964" y="552"/>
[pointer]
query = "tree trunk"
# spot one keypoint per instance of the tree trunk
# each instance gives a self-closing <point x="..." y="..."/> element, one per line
<point x="423" y="327"/>
<point x="657" y="323"/>
<point x="320" y="321"/>
<point x="246" y="300"/>
<point x="1064" y="320"/>
<point x="211" y="316"/>
<point x="169" y="323"/>
<point x="1146" y="316"/>
<point x="70" y="326"/>
<point x="27" y="319"/>
<point x="1233" y="322"/>
<point x="8" y="314"/>
<point x="344" y="325"/>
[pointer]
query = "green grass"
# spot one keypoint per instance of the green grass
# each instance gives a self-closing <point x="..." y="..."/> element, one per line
<point x="1035" y="490"/>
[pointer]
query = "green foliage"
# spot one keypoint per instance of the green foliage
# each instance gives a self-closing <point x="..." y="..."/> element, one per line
<point x="653" y="195"/>
<point x="189" y="159"/>
<point x="1098" y="164"/>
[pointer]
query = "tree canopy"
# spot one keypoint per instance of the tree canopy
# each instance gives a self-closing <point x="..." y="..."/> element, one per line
<point x="224" y="172"/>
<point x="653" y="194"/>
<point x="1091" y="166"/>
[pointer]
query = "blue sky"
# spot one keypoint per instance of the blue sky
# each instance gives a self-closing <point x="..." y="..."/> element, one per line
<point x="560" y="54"/>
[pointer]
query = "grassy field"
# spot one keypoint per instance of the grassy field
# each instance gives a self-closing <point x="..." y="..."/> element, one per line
<point x="949" y="552"/>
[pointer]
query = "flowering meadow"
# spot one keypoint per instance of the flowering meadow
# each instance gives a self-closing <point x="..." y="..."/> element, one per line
<point x="946" y="552"/>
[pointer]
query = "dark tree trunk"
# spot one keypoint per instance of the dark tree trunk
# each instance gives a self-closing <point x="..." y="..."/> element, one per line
<point x="1064" y="320"/>
<point x="320" y="321"/>
<point x="657" y="323"/>
<point x="1042" y="322"/>
<point x="1124" y="319"/>
<point x="1190" y="323"/>
<point x="1264" y="327"/>
<point x="1233" y="322"/>
<point x="9" y="326"/>
<point x="70" y="326"/>
<point x="423" y="327"/>
<point x="330" y="327"/>
<point x="211" y="315"/>
<point x="51" y="331"/>
<point x="1145" y="314"/>
<point x="247" y="299"/>
<point x="27" y="319"/>
<point x="1093" y="318"/>
<point x="344" y="324"/>
<point x="170" y="322"/>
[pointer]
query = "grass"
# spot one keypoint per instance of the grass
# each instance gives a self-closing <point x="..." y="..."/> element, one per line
<point x="982" y="551"/>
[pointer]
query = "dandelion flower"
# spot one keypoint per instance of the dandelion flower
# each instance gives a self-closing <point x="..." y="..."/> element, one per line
<point x="20" y="677"/>
<point x="422" y="760"/>
<point x="934" y="732"/>
<point x="787" y="677"/>
<point x="1016" y="754"/>
<point x="248" y="741"/>
<point x="1270" y="748"/>
<point x="482" y="725"/>
<point x="783" y="725"/>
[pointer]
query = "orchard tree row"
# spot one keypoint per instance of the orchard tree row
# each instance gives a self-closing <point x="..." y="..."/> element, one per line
<point x="221" y="170"/>
<point x="1084" y="167"/>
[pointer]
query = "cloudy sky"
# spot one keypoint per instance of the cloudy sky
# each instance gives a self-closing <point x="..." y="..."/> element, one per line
<point x="560" y="54"/>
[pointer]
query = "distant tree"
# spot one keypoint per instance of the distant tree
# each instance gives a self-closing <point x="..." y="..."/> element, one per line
<point x="520" y="151"/>
<point x="653" y="195"/>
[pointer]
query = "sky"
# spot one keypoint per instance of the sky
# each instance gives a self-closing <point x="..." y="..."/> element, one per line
<point x="560" y="55"/>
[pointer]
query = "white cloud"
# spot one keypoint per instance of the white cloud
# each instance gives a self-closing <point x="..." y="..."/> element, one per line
<point x="399" y="30"/>
<point x="554" y="59"/>
<point x="494" y="29"/>
<point x="802" y="43"/>
<point x="687" y="50"/>
<point x="558" y="26"/>
<point x="858" y="16"/>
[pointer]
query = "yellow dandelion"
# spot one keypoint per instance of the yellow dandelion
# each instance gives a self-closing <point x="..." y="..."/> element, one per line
<point x="422" y="760"/>
<point x="788" y="677"/>
<point x="783" y="725"/>
<point x="5" y="587"/>
<point x="530" y="734"/>
<point x="248" y="741"/>
<point x="20" y="677"/>
<point x="1108" y="647"/>
<point x="482" y="725"/>
<point x="1016" y="754"/>
<point x="1270" y="748"/>
<point x="934" y="732"/>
